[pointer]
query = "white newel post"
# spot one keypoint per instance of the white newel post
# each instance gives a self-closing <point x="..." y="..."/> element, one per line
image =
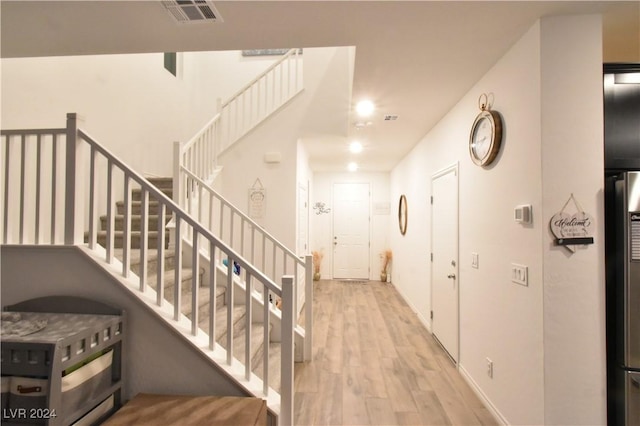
<point x="308" y="307"/>
<point x="74" y="183"/>
<point x="286" y="388"/>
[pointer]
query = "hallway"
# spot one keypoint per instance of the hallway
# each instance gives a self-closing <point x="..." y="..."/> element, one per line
<point x="375" y="363"/>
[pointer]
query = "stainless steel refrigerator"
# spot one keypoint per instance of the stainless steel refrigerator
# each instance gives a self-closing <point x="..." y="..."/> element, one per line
<point x="623" y="297"/>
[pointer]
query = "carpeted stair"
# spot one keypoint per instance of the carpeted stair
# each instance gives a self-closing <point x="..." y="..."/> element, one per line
<point x="257" y="338"/>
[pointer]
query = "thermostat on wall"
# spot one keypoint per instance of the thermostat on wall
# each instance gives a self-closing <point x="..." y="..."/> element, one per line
<point x="522" y="214"/>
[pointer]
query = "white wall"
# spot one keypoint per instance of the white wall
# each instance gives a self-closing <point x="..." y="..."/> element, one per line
<point x="322" y="225"/>
<point x="130" y="103"/>
<point x="326" y="80"/>
<point x="543" y="352"/>
<point x="572" y="158"/>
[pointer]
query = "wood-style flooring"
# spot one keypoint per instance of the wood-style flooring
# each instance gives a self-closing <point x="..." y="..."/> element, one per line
<point x="374" y="363"/>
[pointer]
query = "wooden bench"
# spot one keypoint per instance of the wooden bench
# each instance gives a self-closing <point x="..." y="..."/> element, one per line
<point x="156" y="410"/>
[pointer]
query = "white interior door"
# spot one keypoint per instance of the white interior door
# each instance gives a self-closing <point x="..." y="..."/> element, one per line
<point x="351" y="231"/>
<point x="444" y="268"/>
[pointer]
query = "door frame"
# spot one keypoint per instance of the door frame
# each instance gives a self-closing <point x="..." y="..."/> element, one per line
<point x="333" y="225"/>
<point x="303" y="187"/>
<point x="455" y="169"/>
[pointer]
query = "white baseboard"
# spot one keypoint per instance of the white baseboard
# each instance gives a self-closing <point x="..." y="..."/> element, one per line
<point x="423" y="320"/>
<point x="465" y="375"/>
<point x="485" y="400"/>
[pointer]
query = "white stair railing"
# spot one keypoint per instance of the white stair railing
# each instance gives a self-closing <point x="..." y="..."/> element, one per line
<point x="237" y="230"/>
<point x="195" y="163"/>
<point x="34" y="215"/>
<point x="242" y="112"/>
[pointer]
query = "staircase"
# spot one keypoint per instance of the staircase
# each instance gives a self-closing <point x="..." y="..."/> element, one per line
<point x="239" y="311"/>
<point x="175" y="270"/>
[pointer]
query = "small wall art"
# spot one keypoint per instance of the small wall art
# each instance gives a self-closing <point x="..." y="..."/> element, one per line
<point x="321" y="208"/>
<point x="402" y="214"/>
<point x="574" y="229"/>
<point x="257" y="201"/>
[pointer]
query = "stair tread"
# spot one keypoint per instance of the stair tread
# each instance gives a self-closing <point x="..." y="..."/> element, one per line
<point x="221" y="321"/>
<point x="275" y="352"/>
<point x="138" y="202"/>
<point x="161" y="182"/>
<point x="120" y="216"/>
<point x="169" y="275"/>
<point x="164" y="189"/>
<point x="134" y="255"/>
<point x="203" y="300"/>
<point x="136" y="233"/>
<point x="257" y="339"/>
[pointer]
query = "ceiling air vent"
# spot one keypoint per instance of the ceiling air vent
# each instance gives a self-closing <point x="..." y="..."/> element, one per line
<point x="187" y="11"/>
<point x="390" y="117"/>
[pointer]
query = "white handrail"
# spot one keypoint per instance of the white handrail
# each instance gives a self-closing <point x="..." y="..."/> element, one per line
<point x="236" y="116"/>
<point x="195" y="137"/>
<point x="183" y="216"/>
<point x="202" y="184"/>
<point x="286" y="56"/>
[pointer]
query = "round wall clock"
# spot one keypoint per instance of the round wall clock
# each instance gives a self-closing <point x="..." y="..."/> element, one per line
<point x="402" y="214"/>
<point x="486" y="135"/>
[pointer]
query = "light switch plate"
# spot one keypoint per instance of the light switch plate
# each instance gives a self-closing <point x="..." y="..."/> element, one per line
<point x="522" y="213"/>
<point x="519" y="274"/>
<point x="474" y="260"/>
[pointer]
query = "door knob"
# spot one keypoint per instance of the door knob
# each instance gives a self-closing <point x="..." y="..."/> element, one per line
<point x="451" y="276"/>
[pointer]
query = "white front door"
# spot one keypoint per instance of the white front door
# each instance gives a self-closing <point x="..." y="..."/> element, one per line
<point x="351" y="231"/>
<point x="444" y="267"/>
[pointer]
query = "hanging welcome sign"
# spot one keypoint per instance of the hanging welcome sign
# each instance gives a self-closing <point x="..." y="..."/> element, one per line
<point x="257" y="201"/>
<point x="572" y="229"/>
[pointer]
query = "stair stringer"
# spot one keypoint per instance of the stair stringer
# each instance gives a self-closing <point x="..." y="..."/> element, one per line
<point x="194" y="368"/>
<point x="182" y="329"/>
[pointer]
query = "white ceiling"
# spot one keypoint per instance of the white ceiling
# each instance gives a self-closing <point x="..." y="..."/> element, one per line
<point x="415" y="59"/>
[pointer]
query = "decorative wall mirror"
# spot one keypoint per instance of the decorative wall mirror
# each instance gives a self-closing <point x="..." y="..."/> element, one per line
<point x="402" y="214"/>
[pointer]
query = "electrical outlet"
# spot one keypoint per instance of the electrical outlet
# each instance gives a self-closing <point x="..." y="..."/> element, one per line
<point x="489" y="368"/>
<point x="519" y="274"/>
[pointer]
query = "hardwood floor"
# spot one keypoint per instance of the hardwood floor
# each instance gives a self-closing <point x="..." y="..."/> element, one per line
<point x="374" y="363"/>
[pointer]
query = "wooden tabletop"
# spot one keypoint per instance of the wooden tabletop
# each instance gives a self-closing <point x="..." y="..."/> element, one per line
<point x="159" y="410"/>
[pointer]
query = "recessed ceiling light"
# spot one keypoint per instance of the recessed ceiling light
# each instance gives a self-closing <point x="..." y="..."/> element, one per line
<point x="352" y="167"/>
<point x="365" y="108"/>
<point x="355" y="147"/>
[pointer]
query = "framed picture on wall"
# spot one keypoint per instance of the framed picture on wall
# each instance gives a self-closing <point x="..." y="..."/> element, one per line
<point x="402" y="214"/>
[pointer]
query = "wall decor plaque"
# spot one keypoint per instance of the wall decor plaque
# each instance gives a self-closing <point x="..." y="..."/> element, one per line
<point x="257" y="201"/>
<point x="572" y="229"/>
